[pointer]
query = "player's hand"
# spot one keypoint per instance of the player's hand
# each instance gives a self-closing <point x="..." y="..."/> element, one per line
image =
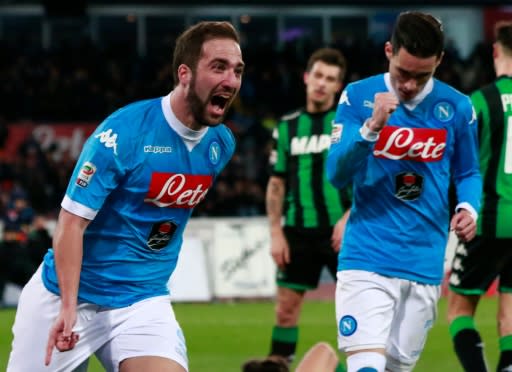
<point x="464" y="225"/>
<point x="383" y="106"/>
<point x="337" y="235"/>
<point x="61" y="335"/>
<point x="279" y="248"/>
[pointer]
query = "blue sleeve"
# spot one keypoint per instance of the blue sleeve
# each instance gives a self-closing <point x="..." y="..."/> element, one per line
<point x="105" y="156"/>
<point x="465" y="163"/>
<point x="349" y="151"/>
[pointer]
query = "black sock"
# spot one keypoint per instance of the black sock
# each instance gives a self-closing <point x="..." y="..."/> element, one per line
<point x="284" y="342"/>
<point x="468" y="344"/>
<point x="505" y="362"/>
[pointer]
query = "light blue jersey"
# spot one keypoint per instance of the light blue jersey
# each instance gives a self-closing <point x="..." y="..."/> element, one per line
<point x="399" y="220"/>
<point x="138" y="178"/>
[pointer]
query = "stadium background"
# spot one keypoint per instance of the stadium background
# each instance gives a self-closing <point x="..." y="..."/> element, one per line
<point x="63" y="68"/>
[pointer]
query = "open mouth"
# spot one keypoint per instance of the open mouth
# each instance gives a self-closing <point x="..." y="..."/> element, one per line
<point x="219" y="102"/>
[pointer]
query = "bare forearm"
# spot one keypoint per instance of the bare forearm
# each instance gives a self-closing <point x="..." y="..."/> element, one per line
<point x="68" y="250"/>
<point x="274" y="201"/>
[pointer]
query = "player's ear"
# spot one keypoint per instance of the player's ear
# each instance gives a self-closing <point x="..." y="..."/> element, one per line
<point x="305" y="77"/>
<point x="184" y="74"/>
<point x="388" y="50"/>
<point x="440" y="59"/>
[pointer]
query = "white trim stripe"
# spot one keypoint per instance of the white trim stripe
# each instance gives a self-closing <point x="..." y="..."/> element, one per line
<point x="79" y="209"/>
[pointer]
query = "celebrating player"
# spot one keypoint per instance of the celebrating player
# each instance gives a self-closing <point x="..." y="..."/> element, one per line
<point x="103" y="287"/>
<point x="400" y="138"/>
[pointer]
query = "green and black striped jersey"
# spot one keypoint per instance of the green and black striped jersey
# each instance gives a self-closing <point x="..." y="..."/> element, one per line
<point x="493" y="106"/>
<point x="301" y="143"/>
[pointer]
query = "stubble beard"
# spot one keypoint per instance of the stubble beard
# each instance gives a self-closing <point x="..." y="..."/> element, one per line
<point x="198" y="107"/>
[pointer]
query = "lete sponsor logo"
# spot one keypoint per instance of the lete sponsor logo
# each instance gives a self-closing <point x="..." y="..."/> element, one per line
<point x="418" y="144"/>
<point x="177" y="190"/>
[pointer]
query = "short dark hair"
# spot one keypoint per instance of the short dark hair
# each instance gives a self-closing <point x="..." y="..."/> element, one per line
<point x="421" y="34"/>
<point x="329" y="56"/>
<point x="503" y="35"/>
<point x="190" y="43"/>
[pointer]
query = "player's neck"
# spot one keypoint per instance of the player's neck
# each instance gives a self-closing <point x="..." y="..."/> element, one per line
<point x="503" y="67"/>
<point x="316" y="108"/>
<point x="181" y="110"/>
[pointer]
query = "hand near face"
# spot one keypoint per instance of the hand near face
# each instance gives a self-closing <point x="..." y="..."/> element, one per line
<point x="383" y="106"/>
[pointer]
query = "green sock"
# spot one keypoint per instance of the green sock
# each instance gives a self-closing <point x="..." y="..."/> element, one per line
<point x="506" y="343"/>
<point x="468" y="344"/>
<point x="284" y="341"/>
<point x="340" y="368"/>
<point x="460" y="323"/>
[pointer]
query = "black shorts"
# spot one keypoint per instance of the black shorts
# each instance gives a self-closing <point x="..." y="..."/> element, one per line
<point x="310" y="251"/>
<point x="476" y="264"/>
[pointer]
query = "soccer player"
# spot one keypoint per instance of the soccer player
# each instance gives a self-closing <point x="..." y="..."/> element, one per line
<point x="298" y="190"/>
<point x="401" y="137"/>
<point x="477" y="263"/>
<point x="103" y="287"/>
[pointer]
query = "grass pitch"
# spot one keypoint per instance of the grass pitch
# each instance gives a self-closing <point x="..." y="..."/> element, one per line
<point x="221" y="336"/>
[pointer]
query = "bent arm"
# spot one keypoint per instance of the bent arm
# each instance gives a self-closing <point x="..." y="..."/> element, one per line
<point x="68" y="250"/>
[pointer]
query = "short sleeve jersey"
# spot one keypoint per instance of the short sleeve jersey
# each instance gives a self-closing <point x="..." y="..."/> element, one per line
<point x="138" y="180"/>
<point x="399" y="219"/>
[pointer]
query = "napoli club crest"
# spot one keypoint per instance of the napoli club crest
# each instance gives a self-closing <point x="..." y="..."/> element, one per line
<point x="347" y="325"/>
<point x="214" y="153"/>
<point x="444" y="111"/>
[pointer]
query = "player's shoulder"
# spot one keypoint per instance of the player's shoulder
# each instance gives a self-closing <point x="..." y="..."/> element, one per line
<point x="449" y="92"/>
<point x="131" y="117"/>
<point x="291" y="115"/>
<point x="450" y="100"/>
<point x="487" y="90"/>
<point x="362" y="92"/>
<point x="374" y="82"/>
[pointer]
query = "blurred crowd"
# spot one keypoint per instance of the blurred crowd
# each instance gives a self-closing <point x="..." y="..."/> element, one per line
<point x="83" y="82"/>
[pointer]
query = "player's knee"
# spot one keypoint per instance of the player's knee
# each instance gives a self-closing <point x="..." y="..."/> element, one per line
<point x="366" y="361"/>
<point x="504" y="323"/>
<point x="286" y="318"/>
<point x="287" y="315"/>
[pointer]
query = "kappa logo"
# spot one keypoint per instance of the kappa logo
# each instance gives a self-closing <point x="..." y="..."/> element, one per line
<point x="473" y="116"/>
<point x="344" y="99"/>
<point x="108" y="138"/>
<point x="347" y="325"/>
<point x="158" y="149"/>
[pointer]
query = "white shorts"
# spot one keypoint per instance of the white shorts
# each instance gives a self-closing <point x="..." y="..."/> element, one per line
<point x="146" y="328"/>
<point x="379" y="312"/>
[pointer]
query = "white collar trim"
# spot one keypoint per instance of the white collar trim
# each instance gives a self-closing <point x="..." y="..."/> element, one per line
<point x="411" y="104"/>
